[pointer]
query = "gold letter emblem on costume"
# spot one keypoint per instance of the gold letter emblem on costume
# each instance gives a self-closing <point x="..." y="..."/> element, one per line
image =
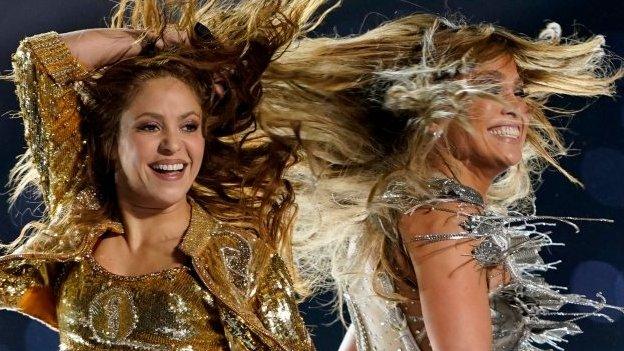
<point x="112" y="315"/>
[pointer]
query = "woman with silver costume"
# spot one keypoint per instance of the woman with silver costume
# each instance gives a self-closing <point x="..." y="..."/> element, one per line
<point x="416" y="195"/>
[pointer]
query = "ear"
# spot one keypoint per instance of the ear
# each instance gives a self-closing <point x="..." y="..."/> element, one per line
<point x="435" y="130"/>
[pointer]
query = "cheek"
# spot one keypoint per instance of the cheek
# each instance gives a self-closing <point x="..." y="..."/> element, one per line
<point x="481" y="111"/>
<point x="196" y="146"/>
<point x="459" y="141"/>
<point x="135" y="150"/>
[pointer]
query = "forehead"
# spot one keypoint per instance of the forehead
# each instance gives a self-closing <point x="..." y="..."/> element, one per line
<point x="163" y="92"/>
<point x="502" y="67"/>
<point x="163" y="85"/>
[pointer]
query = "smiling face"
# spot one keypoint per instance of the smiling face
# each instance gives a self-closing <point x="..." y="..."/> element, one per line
<point x="499" y="130"/>
<point x="160" y="145"/>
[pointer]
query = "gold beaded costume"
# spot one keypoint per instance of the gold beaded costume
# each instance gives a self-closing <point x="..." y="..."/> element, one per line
<point x="236" y="295"/>
<point x="143" y="312"/>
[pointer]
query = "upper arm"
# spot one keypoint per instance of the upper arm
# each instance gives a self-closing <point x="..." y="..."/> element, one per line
<point x="277" y="306"/>
<point x="452" y="286"/>
<point x="44" y="72"/>
<point x="25" y="287"/>
<point x="262" y="278"/>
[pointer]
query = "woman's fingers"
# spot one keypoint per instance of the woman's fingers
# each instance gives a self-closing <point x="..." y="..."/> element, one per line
<point x="172" y="36"/>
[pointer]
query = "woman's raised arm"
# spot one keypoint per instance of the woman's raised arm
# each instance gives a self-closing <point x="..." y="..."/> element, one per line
<point x="99" y="47"/>
<point x="44" y="71"/>
<point x="95" y="48"/>
<point x="45" y="68"/>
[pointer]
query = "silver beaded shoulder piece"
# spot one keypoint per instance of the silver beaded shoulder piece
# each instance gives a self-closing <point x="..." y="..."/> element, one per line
<point x="527" y="312"/>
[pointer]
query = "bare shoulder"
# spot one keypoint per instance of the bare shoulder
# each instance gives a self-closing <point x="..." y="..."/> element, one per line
<point x="442" y="218"/>
<point x="435" y="219"/>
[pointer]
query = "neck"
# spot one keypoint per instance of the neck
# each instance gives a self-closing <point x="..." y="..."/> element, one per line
<point x="474" y="177"/>
<point x="145" y="225"/>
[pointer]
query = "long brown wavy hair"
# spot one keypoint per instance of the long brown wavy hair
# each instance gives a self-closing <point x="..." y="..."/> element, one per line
<point x="240" y="180"/>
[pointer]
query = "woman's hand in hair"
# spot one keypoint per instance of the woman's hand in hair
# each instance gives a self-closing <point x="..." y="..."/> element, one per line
<point x="171" y="36"/>
<point x="100" y="47"/>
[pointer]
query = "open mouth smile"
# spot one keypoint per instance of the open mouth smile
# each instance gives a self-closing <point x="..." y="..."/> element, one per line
<point x="506" y="131"/>
<point x="169" y="171"/>
<point x="162" y="168"/>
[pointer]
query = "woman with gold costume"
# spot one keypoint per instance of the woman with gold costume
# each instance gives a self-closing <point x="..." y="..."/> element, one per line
<point x="166" y="216"/>
<point x="423" y="140"/>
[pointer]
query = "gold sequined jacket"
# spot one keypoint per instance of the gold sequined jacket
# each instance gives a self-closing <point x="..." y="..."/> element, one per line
<point x="249" y="281"/>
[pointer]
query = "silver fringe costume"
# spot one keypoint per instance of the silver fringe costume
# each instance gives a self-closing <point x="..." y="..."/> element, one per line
<point x="526" y="312"/>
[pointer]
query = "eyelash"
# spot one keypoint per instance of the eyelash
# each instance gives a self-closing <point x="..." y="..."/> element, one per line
<point x="152" y="127"/>
<point x="193" y="125"/>
<point x="148" y="127"/>
<point x="497" y="89"/>
<point x="519" y="92"/>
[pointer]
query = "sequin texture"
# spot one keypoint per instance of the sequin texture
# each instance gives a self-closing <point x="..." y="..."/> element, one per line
<point x="527" y="313"/>
<point x="160" y="311"/>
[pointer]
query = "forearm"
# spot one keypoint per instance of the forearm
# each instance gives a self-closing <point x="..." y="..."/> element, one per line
<point x="95" y="48"/>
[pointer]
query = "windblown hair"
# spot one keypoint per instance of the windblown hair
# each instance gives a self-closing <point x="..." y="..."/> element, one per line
<point x="240" y="180"/>
<point x="361" y="107"/>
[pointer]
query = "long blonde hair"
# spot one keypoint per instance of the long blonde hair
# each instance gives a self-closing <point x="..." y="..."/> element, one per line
<point x="360" y="107"/>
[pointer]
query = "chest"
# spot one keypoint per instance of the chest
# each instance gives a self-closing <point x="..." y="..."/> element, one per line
<point x="158" y="311"/>
<point x="114" y="255"/>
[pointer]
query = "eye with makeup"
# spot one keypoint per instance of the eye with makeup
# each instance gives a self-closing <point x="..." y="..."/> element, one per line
<point x="487" y="82"/>
<point x="186" y="127"/>
<point x="520" y="92"/>
<point x="148" y="127"/>
<point x="190" y="126"/>
<point x="492" y="83"/>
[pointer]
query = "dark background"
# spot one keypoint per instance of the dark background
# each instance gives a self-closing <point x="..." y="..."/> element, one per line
<point x="593" y="261"/>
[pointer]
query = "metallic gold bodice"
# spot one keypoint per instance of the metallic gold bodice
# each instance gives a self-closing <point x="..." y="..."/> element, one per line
<point x="167" y="310"/>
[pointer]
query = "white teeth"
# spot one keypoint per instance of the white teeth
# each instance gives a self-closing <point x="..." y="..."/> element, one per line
<point x="506" y="131"/>
<point x="174" y="167"/>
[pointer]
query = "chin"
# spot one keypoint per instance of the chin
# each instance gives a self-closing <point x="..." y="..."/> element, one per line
<point x="167" y="198"/>
<point x="510" y="160"/>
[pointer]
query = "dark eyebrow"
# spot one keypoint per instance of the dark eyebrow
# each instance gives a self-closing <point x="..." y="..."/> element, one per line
<point x="159" y="116"/>
<point x="498" y="75"/>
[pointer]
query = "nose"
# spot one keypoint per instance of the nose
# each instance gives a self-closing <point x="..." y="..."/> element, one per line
<point x="510" y="110"/>
<point x="170" y="143"/>
<point x="514" y="106"/>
